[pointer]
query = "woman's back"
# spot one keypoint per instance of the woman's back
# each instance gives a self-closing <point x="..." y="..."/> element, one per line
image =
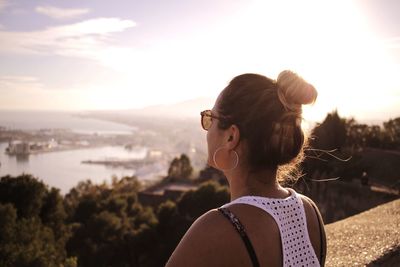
<point x="285" y="222"/>
<point x="213" y="241"/>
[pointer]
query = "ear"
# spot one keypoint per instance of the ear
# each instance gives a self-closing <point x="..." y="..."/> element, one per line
<point x="233" y="137"/>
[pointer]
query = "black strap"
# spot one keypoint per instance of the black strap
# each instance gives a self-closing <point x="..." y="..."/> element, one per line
<point x="321" y="234"/>
<point x="240" y="229"/>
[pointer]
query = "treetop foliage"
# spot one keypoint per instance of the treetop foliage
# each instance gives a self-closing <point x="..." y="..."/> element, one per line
<point x="93" y="225"/>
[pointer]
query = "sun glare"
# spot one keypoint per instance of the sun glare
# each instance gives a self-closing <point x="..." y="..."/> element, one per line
<point x="329" y="44"/>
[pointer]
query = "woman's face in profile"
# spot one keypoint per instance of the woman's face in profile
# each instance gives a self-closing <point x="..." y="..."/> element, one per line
<point x="214" y="134"/>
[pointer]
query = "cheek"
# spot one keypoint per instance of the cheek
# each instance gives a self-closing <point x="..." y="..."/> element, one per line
<point x="211" y="148"/>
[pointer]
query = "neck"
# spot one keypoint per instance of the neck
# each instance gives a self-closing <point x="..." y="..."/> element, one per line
<point x="262" y="183"/>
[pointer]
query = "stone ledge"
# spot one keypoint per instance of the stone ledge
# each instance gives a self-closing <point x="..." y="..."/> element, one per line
<point x="371" y="238"/>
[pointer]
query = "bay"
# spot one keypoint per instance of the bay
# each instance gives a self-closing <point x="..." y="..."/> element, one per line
<point x="64" y="169"/>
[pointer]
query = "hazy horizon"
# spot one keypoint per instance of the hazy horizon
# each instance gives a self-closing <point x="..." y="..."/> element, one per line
<point x="180" y="111"/>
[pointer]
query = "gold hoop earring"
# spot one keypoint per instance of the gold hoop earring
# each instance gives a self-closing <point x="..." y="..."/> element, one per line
<point x="227" y="169"/>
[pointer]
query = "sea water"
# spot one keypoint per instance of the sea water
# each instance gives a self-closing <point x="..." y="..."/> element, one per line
<point x="64" y="169"/>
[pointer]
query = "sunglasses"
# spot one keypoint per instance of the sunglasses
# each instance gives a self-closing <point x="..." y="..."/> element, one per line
<point x="207" y="119"/>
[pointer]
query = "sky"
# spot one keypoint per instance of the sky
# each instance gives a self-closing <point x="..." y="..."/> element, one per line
<point x="113" y="55"/>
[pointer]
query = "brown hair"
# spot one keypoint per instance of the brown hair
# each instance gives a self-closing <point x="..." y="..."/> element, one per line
<point x="268" y="115"/>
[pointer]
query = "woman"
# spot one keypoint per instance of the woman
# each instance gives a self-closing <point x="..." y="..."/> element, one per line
<point x="254" y="134"/>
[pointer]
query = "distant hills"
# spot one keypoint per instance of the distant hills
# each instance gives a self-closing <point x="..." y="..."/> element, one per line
<point x="189" y="109"/>
<point x="186" y="109"/>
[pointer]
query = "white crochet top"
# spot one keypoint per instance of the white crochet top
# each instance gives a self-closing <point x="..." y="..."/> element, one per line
<point x="290" y="217"/>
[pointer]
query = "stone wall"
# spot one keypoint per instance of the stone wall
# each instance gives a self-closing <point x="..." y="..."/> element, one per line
<point x="371" y="238"/>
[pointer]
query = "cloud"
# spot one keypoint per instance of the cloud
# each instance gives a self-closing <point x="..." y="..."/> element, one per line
<point x="393" y="42"/>
<point x="8" y="83"/>
<point x="90" y="39"/>
<point x="93" y="26"/>
<point x="61" y="13"/>
<point x="3" y="4"/>
<point x="28" y="92"/>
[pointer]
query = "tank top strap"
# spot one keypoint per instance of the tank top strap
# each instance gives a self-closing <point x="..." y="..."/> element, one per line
<point x="289" y="215"/>
<point x="242" y="232"/>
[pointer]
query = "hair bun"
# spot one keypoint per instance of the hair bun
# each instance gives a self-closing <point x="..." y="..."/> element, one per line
<point x="294" y="91"/>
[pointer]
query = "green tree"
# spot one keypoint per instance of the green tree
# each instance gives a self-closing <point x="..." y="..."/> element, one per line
<point x="208" y="196"/>
<point x="112" y="228"/>
<point x="95" y="225"/>
<point x="53" y="214"/>
<point x="170" y="230"/>
<point x="392" y="133"/>
<point x="32" y="226"/>
<point x="25" y="192"/>
<point x="180" y="168"/>
<point x="331" y="133"/>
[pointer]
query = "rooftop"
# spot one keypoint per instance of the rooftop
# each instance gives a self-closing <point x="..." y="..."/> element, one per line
<point x="173" y="186"/>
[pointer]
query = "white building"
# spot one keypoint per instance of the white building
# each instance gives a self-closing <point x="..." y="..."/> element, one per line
<point x="18" y="148"/>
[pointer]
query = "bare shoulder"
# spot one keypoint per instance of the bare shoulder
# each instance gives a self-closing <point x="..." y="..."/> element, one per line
<point x="204" y="243"/>
<point x="315" y="225"/>
<point x="213" y="241"/>
<point x="307" y="199"/>
<point x="310" y="208"/>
